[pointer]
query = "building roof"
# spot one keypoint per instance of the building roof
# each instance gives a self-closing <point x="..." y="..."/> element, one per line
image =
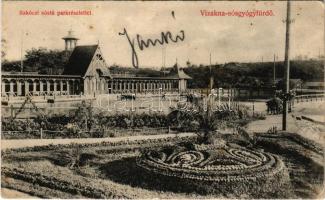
<point x="178" y="73"/>
<point x="70" y="36"/>
<point x="182" y="75"/>
<point x="27" y="75"/>
<point x="80" y="60"/>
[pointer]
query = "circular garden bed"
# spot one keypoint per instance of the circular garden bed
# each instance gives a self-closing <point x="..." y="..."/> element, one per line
<point x="216" y="170"/>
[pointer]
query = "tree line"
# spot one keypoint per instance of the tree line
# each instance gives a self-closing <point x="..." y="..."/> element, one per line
<point x="232" y="74"/>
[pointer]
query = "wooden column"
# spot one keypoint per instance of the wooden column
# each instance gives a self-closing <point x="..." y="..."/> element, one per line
<point x="18" y="88"/>
<point x="132" y="86"/>
<point x="68" y="87"/>
<point x="102" y="89"/>
<point x="11" y="87"/>
<point x="73" y="88"/>
<point x="120" y="88"/>
<point x="61" y="86"/>
<point x="41" y="87"/>
<point x="34" y="86"/>
<point x="48" y="86"/>
<point x="117" y="85"/>
<point x="163" y="86"/>
<point x="26" y="88"/>
<point x="124" y="85"/>
<point x="136" y="86"/>
<point x="55" y="85"/>
<point x="3" y="87"/>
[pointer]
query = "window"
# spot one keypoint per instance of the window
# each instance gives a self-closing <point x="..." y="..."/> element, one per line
<point x="99" y="56"/>
<point x="99" y="72"/>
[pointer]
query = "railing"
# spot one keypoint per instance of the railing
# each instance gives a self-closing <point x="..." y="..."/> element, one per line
<point x="144" y="91"/>
<point x="37" y="93"/>
<point x="309" y="97"/>
<point x="50" y="134"/>
<point x="39" y="96"/>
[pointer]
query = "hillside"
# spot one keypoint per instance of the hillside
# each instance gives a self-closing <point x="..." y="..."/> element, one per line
<point x="46" y="61"/>
<point x="254" y="73"/>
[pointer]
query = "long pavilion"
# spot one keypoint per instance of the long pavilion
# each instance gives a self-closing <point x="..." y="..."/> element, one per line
<point x="87" y="73"/>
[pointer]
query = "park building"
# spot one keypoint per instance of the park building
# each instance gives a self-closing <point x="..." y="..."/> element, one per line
<point x="87" y="73"/>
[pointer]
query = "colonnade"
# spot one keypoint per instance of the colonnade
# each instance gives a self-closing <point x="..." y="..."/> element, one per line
<point x="39" y="87"/>
<point x="96" y="85"/>
<point x="139" y="86"/>
<point x="69" y="86"/>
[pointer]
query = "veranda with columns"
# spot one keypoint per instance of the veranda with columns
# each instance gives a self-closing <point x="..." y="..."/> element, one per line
<point x="50" y="85"/>
<point x="143" y="85"/>
<point x="39" y="85"/>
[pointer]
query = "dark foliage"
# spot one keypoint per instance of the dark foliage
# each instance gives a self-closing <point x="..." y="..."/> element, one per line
<point x="252" y="74"/>
<point x="40" y="60"/>
<point x="13" y="66"/>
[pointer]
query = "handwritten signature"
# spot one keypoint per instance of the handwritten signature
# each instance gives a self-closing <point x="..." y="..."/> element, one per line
<point x="166" y="37"/>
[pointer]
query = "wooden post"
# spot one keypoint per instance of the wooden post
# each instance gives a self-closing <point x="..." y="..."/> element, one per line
<point x="12" y="111"/>
<point x="211" y="77"/>
<point x="287" y="68"/>
<point x="274" y="70"/>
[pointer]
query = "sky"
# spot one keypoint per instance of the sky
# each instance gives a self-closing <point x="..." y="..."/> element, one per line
<point x="226" y="38"/>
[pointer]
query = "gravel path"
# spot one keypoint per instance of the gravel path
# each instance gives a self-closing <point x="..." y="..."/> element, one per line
<point x="5" y="144"/>
<point x="303" y="127"/>
<point x="14" y="194"/>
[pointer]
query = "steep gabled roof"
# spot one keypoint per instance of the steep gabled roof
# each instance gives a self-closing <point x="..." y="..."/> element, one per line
<point x="183" y="75"/>
<point x="80" y="60"/>
<point x="178" y="73"/>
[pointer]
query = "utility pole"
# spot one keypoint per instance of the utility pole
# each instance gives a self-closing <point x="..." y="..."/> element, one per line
<point x="21" y="52"/>
<point x="211" y="77"/>
<point x="163" y="59"/>
<point x="274" y="70"/>
<point x="287" y="68"/>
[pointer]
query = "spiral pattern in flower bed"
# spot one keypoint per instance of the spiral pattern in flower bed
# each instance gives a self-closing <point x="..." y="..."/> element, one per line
<point x="216" y="170"/>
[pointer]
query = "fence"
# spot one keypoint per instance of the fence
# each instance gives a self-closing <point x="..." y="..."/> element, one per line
<point x="309" y="97"/>
<point x="50" y="134"/>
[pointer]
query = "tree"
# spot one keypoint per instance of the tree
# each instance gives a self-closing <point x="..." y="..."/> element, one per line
<point x="204" y="122"/>
<point x="252" y="74"/>
<point x="45" y="61"/>
<point x="280" y="85"/>
<point x="11" y="66"/>
<point x="83" y="117"/>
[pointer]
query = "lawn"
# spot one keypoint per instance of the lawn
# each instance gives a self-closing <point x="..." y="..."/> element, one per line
<point x="109" y="170"/>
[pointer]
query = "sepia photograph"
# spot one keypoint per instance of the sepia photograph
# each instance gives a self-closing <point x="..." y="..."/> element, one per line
<point x="162" y="99"/>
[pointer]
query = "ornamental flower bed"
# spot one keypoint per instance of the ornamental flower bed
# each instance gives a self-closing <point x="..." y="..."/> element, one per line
<point x="217" y="170"/>
<point x="166" y="168"/>
<point x="54" y="183"/>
